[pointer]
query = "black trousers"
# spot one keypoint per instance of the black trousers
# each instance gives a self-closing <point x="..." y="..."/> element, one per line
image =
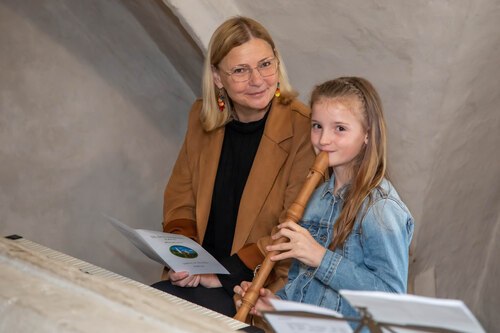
<point x="216" y="299"/>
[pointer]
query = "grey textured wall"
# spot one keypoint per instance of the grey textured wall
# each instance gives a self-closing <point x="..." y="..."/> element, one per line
<point x="92" y="114"/>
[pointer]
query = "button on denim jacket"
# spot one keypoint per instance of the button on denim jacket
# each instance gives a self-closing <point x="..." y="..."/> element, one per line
<point x="374" y="256"/>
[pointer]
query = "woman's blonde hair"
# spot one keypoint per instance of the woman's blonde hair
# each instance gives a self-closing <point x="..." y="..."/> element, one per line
<point x="230" y="34"/>
<point x="369" y="167"/>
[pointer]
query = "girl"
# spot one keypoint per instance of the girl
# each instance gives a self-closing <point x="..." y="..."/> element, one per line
<point x="356" y="231"/>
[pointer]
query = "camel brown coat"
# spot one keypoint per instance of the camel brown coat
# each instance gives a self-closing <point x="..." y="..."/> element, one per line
<point x="280" y="167"/>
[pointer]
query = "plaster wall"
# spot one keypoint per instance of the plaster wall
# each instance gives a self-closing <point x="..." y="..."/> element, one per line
<point x="41" y="294"/>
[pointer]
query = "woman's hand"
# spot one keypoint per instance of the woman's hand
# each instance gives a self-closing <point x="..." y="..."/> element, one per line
<point x="262" y="303"/>
<point x="210" y="281"/>
<point x="301" y="245"/>
<point x="183" y="279"/>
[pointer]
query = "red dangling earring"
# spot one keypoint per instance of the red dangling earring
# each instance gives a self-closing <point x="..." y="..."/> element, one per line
<point x="220" y="101"/>
<point x="278" y="92"/>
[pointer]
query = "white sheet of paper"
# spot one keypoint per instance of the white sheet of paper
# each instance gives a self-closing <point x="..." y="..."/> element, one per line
<point x="281" y="305"/>
<point x="178" y="252"/>
<point x="301" y="324"/>
<point x="415" y="310"/>
<point x="296" y="324"/>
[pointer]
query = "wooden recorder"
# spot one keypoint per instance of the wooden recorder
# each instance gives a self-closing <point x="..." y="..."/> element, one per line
<point x="294" y="213"/>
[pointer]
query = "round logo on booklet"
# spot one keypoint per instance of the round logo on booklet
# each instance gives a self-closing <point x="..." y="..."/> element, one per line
<point x="183" y="251"/>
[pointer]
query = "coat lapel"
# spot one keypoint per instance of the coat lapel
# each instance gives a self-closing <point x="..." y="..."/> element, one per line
<point x="209" y="162"/>
<point x="268" y="162"/>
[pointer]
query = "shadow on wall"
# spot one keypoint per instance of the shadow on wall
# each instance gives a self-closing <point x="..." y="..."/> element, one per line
<point x="85" y="28"/>
<point x="172" y="39"/>
<point x="92" y="196"/>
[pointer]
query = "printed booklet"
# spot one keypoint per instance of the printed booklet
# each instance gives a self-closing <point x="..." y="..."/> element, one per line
<point x="177" y="252"/>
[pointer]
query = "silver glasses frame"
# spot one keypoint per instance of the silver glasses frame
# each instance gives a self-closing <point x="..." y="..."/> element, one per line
<point x="232" y="74"/>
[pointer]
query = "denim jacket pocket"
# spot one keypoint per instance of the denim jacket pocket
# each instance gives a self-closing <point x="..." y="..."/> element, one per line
<point x="311" y="226"/>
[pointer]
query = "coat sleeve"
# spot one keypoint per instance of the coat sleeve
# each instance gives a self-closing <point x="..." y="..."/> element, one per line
<point x="179" y="211"/>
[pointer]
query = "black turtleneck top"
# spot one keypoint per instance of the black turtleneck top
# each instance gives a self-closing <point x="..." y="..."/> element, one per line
<point x="241" y="141"/>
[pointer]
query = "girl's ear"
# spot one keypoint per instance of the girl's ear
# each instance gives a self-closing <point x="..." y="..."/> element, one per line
<point x="216" y="76"/>
<point x="366" y="138"/>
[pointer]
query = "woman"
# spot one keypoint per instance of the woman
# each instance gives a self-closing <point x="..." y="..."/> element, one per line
<point x="356" y="232"/>
<point x="244" y="158"/>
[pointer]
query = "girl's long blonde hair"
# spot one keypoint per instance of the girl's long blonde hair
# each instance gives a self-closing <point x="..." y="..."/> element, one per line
<point x="230" y="34"/>
<point x="369" y="167"/>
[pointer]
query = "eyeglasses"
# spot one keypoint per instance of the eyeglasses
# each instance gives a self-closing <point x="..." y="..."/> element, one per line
<point x="265" y="68"/>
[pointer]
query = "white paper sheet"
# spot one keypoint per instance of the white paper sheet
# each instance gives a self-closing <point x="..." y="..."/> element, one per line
<point x="178" y="252"/>
<point x="282" y="323"/>
<point x="384" y="307"/>
<point x="415" y="310"/>
<point x="281" y="305"/>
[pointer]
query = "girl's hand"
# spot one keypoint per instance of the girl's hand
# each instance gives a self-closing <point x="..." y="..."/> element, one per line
<point x="183" y="279"/>
<point x="262" y="303"/>
<point x="301" y="245"/>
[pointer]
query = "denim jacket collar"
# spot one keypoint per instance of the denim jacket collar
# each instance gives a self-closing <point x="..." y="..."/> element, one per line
<point x="342" y="193"/>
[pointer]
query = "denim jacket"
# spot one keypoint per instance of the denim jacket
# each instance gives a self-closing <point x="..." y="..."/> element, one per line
<point x="373" y="257"/>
